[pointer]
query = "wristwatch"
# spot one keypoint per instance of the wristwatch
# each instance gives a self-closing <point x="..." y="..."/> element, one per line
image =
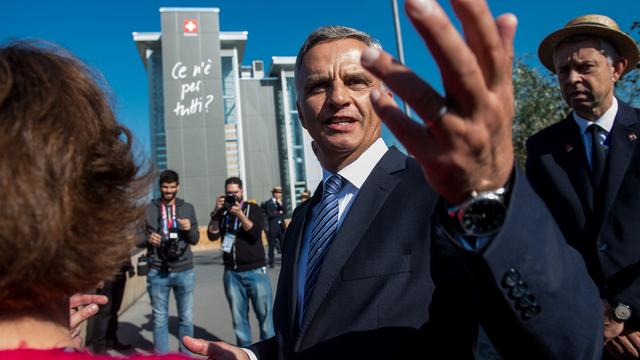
<point x="622" y="312"/>
<point x="483" y="214"/>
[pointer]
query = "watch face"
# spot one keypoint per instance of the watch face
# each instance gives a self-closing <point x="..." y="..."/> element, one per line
<point x="622" y="312"/>
<point x="483" y="217"/>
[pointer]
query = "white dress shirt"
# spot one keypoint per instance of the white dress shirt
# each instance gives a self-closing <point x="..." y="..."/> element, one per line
<point x="605" y="122"/>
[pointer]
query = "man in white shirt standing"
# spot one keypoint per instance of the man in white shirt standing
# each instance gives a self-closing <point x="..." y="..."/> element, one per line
<point x="586" y="167"/>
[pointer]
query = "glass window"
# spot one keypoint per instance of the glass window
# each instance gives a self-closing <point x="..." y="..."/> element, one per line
<point x="291" y="88"/>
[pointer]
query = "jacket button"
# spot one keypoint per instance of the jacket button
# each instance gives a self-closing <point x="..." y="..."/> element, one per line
<point x="603" y="246"/>
<point x="519" y="290"/>
<point x="511" y="278"/>
<point x="531" y="311"/>
<point x="525" y="302"/>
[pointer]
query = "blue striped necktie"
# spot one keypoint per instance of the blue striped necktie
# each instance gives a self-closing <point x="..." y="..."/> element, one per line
<point x="325" y="225"/>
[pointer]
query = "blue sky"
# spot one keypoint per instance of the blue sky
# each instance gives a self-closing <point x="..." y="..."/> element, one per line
<point x="99" y="32"/>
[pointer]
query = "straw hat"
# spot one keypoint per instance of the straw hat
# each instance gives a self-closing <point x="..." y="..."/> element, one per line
<point x="590" y="25"/>
<point x="276" y="189"/>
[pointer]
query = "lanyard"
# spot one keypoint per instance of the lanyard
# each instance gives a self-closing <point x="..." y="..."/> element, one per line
<point x="234" y="228"/>
<point x="169" y="222"/>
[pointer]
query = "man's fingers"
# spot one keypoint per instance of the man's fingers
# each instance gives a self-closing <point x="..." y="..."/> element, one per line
<point x="614" y="349"/>
<point x="461" y="75"/>
<point x="482" y="37"/>
<point x="214" y="349"/>
<point x="628" y="346"/>
<point x="196" y="346"/>
<point x="85" y="299"/>
<point x="90" y="304"/>
<point x="507" y="24"/>
<point x="409" y="132"/>
<point x="404" y="82"/>
<point x="634" y="337"/>
<point x="81" y="315"/>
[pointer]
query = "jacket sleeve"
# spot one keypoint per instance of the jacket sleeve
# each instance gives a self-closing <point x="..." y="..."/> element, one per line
<point x="266" y="349"/>
<point x="530" y="289"/>
<point x="192" y="235"/>
<point x="211" y="236"/>
<point x="270" y="208"/>
<point x="256" y="215"/>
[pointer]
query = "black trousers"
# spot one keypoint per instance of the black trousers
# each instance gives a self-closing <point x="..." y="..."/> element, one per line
<point x="102" y="328"/>
<point x="275" y="237"/>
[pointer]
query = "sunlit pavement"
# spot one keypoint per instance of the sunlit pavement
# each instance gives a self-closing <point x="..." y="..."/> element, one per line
<point x="211" y="317"/>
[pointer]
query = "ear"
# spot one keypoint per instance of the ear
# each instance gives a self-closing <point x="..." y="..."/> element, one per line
<point x="300" y="116"/>
<point x="619" y="65"/>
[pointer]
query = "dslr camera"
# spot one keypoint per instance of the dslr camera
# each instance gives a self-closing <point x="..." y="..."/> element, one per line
<point x="142" y="267"/>
<point x="170" y="248"/>
<point x="229" y="200"/>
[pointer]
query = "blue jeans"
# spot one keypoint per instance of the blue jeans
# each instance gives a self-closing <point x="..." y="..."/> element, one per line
<point x="239" y="287"/>
<point x="159" y="285"/>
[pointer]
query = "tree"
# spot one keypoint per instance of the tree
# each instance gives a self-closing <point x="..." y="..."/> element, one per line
<point x="628" y="88"/>
<point x="538" y="104"/>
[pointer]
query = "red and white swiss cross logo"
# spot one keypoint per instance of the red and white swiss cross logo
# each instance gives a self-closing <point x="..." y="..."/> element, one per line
<point x="190" y="26"/>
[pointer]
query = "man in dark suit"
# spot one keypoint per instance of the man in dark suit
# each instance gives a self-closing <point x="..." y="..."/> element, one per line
<point x="102" y="329"/>
<point x="376" y="264"/>
<point x="275" y="213"/>
<point x="586" y="167"/>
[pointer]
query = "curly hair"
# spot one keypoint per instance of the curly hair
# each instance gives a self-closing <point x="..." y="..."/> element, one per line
<point x="70" y="186"/>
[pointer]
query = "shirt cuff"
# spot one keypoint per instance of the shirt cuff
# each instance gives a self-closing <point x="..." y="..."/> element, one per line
<point x="250" y="353"/>
<point x="477" y="245"/>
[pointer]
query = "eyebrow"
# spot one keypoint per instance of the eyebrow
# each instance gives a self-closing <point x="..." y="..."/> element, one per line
<point x="320" y="79"/>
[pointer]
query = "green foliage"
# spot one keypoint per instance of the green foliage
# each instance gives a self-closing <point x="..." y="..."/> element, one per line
<point x="538" y="104"/>
<point x="628" y="88"/>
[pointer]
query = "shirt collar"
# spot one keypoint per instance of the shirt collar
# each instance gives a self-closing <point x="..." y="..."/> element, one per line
<point x="358" y="171"/>
<point x="605" y="121"/>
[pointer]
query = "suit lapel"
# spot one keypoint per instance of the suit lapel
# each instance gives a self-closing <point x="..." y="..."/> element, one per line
<point x="574" y="160"/>
<point x="366" y="205"/>
<point x="623" y="138"/>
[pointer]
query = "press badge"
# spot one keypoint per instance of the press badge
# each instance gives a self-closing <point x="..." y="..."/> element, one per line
<point x="228" y="241"/>
<point x="173" y="235"/>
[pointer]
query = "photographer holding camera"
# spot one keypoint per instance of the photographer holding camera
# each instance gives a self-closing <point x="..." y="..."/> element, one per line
<point x="240" y="224"/>
<point x="171" y="229"/>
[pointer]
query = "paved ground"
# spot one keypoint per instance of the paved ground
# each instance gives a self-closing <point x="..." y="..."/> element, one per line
<point x="212" y="317"/>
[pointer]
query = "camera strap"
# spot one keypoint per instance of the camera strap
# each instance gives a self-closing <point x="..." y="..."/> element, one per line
<point x="169" y="221"/>
<point x="233" y="229"/>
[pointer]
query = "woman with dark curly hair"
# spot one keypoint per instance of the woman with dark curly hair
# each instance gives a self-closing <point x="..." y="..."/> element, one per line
<point x="71" y="197"/>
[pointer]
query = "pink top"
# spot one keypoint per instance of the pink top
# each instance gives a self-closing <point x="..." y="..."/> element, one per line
<point x="62" y="354"/>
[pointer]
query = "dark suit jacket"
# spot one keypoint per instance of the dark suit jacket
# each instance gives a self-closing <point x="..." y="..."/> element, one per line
<point x="373" y="297"/>
<point x="275" y="221"/>
<point x="604" y="227"/>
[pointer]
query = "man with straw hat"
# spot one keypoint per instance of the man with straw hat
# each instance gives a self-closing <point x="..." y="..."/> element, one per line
<point x="586" y="167"/>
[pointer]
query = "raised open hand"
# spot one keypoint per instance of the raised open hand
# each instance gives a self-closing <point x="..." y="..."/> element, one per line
<point x="464" y="142"/>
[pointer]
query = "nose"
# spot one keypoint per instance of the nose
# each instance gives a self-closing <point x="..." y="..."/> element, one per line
<point x="573" y="76"/>
<point x="338" y="95"/>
